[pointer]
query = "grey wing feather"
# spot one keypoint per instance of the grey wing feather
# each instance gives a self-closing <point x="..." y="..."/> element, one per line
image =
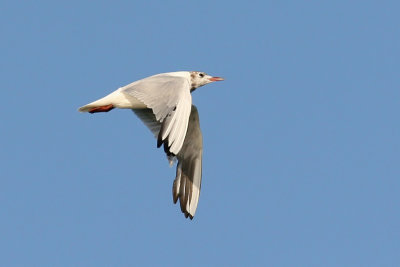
<point x="187" y="182"/>
<point x="149" y="119"/>
<point x="170" y="100"/>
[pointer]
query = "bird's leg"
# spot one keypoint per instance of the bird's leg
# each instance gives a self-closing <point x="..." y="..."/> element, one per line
<point x="106" y="108"/>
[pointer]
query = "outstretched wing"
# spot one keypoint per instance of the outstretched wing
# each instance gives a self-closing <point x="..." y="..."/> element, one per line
<point x="170" y="100"/>
<point x="187" y="183"/>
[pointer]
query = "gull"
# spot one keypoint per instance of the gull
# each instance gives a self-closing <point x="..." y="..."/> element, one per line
<point x="163" y="102"/>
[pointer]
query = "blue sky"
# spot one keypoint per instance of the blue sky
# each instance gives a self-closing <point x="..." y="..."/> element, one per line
<point x="301" y="141"/>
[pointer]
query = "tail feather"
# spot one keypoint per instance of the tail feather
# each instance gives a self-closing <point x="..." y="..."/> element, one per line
<point x="86" y="108"/>
<point x="95" y="104"/>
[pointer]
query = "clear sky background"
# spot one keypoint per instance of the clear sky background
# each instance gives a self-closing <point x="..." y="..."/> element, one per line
<point x="301" y="141"/>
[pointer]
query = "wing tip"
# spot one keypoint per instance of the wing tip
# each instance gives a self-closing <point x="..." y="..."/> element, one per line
<point x="188" y="215"/>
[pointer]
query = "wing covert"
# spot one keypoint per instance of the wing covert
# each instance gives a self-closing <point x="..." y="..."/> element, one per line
<point x="170" y="100"/>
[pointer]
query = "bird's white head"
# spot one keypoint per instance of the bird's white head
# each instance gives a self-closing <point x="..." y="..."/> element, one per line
<point x="199" y="78"/>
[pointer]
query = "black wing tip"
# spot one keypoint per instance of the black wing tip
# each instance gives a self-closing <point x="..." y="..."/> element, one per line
<point x="188" y="215"/>
<point x="167" y="151"/>
<point x="177" y="197"/>
<point x="159" y="137"/>
<point x="159" y="141"/>
<point x="184" y="211"/>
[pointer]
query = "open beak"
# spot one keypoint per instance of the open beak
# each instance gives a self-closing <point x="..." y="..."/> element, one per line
<point x="215" y="79"/>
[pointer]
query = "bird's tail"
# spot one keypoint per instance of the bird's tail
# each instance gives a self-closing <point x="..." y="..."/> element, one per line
<point x="102" y="105"/>
<point x="86" y="108"/>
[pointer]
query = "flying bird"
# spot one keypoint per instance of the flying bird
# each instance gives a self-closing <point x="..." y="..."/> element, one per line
<point x="164" y="104"/>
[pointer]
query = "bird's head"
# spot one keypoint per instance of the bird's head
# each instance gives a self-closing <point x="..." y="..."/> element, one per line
<point x="199" y="78"/>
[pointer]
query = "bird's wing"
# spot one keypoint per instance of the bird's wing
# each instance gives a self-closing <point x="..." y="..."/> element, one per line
<point x="147" y="116"/>
<point x="169" y="98"/>
<point x="187" y="183"/>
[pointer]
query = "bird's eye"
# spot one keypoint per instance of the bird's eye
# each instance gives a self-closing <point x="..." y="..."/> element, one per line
<point x="201" y="75"/>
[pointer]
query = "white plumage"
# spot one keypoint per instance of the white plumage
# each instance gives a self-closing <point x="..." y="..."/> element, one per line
<point x="164" y="103"/>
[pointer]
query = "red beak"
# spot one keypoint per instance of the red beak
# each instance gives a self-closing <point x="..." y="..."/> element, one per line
<point x="215" y="79"/>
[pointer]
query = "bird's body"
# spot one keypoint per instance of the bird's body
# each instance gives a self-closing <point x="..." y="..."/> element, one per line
<point x="164" y="103"/>
<point x="120" y="99"/>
